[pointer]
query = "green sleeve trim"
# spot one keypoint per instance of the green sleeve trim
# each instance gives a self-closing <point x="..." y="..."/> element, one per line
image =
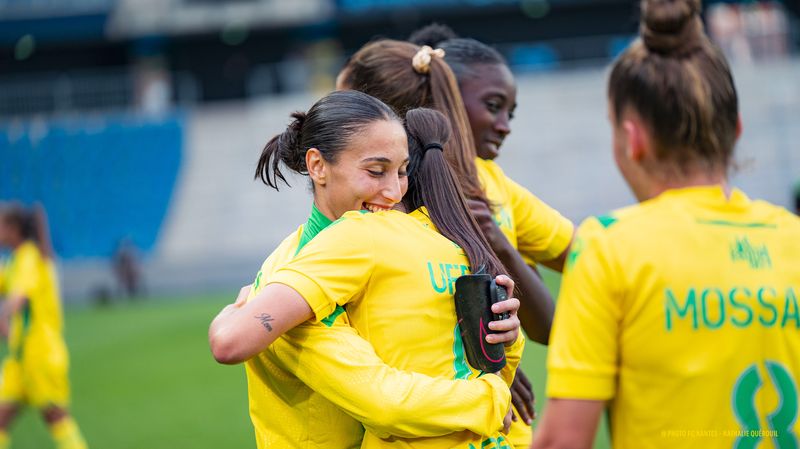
<point x="606" y="220"/>
<point x="332" y="317"/>
<point x="737" y="225"/>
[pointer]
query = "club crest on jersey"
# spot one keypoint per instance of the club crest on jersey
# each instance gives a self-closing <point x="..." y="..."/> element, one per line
<point x="756" y="256"/>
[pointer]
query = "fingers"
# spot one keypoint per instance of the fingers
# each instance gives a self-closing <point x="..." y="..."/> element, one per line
<point x="507" y="338"/>
<point x="524" y="380"/>
<point x="510" y="324"/>
<point x="244" y="292"/>
<point x="506" y="282"/>
<point x="507" y="420"/>
<point x="510" y="305"/>
<point x="523" y="398"/>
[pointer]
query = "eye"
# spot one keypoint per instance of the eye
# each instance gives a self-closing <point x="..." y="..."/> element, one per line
<point x="376" y="173"/>
<point x="511" y="115"/>
<point x="493" y="106"/>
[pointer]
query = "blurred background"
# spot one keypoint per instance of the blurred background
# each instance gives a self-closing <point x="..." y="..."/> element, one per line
<point x="138" y="124"/>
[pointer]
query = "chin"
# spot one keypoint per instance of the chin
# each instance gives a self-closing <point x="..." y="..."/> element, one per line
<point x="486" y="153"/>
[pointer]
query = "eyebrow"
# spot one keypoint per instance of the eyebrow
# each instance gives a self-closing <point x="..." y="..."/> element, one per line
<point x="385" y="160"/>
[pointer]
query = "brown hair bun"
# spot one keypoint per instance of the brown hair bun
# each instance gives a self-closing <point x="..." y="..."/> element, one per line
<point x="671" y="26"/>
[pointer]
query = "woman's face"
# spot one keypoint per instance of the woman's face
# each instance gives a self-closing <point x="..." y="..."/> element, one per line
<point x="490" y="97"/>
<point x="370" y="174"/>
<point x="6" y="233"/>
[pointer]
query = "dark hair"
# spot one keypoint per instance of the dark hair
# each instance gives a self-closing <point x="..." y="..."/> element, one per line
<point x="461" y="54"/>
<point x="384" y="70"/>
<point x="31" y="223"/>
<point x="680" y="84"/>
<point x="432" y="183"/>
<point x="328" y="126"/>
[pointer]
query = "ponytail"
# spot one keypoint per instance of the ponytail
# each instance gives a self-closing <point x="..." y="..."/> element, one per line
<point x="433" y="184"/>
<point x="284" y="147"/>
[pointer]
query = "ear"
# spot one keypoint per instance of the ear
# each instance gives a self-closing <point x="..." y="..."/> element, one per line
<point x="636" y="138"/>
<point x="316" y="166"/>
<point x="738" y="126"/>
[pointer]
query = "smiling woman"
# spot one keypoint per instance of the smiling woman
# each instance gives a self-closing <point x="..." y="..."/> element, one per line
<point x="353" y="148"/>
<point x="304" y="381"/>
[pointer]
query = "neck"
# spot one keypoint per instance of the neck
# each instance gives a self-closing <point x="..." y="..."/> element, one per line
<point x="673" y="180"/>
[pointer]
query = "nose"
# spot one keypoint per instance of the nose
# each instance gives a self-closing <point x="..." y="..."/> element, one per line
<point x="502" y="125"/>
<point x="393" y="190"/>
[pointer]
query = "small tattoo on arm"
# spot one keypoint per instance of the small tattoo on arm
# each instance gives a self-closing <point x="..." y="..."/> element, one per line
<point x="265" y="318"/>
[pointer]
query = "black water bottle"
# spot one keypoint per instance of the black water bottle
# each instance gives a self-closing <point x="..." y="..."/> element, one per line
<point x="475" y="294"/>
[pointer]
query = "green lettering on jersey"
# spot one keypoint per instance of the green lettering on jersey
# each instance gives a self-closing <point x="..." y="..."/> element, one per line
<point x="436" y="287"/>
<point x="762" y="299"/>
<point x="704" y="300"/>
<point x="744" y="407"/>
<point x="780" y="421"/>
<point x="791" y="303"/>
<point x="671" y="306"/>
<point x="741" y="306"/>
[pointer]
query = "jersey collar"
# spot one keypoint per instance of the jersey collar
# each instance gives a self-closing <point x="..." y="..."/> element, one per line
<point x="317" y="221"/>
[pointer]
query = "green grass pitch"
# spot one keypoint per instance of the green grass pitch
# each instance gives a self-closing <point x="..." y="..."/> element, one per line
<point x="143" y="377"/>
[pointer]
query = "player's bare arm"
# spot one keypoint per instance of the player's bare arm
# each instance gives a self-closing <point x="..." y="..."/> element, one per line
<point x="243" y="329"/>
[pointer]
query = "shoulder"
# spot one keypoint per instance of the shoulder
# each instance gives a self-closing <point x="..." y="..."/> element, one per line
<point x="285" y="249"/>
<point x="27" y="251"/>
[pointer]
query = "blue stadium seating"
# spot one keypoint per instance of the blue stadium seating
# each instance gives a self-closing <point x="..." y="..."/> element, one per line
<point x="101" y="180"/>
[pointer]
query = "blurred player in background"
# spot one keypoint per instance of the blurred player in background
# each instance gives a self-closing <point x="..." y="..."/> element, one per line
<point x="681" y="311"/>
<point x="35" y="371"/>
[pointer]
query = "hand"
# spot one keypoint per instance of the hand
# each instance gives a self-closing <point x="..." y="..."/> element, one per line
<point x="506" y="331"/>
<point x="244" y="292"/>
<point x="522" y="397"/>
<point x="507" y="420"/>
<point x="492" y="232"/>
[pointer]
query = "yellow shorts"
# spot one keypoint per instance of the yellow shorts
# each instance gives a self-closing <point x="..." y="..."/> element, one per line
<point x="38" y="377"/>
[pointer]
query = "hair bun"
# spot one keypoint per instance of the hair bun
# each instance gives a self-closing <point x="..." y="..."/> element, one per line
<point x="432" y="35"/>
<point x="671" y="26"/>
<point x="289" y="149"/>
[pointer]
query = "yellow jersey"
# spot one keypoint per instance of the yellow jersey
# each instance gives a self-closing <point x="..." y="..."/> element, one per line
<point x="682" y="311"/>
<point x="35" y="370"/>
<point x="532" y="227"/>
<point x="535" y="229"/>
<point x="317" y="384"/>
<point x="33" y="276"/>
<point x="395" y="273"/>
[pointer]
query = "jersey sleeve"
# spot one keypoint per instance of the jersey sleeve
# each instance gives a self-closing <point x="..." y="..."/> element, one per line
<point x="332" y="268"/>
<point x="583" y="357"/>
<point x="343" y="367"/>
<point x="542" y="232"/>
<point x="513" y="358"/>
<point x="26" y="275"/>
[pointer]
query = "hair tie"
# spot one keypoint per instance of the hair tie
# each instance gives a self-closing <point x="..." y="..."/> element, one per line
<point x="432" y="146"/>
<point x="422" y="60"/>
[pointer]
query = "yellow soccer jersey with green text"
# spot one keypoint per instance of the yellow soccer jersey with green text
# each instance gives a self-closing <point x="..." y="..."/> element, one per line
<point x="396" y="275"/>
<point x="683" y="312"/>
<point x="35" y="371"/>
<point x="535" y="229"/>
<point x="317" y="384"/>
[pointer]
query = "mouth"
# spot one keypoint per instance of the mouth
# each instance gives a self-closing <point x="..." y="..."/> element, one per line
<point x="374" y="207"/>
<point x="494" y="144"/>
